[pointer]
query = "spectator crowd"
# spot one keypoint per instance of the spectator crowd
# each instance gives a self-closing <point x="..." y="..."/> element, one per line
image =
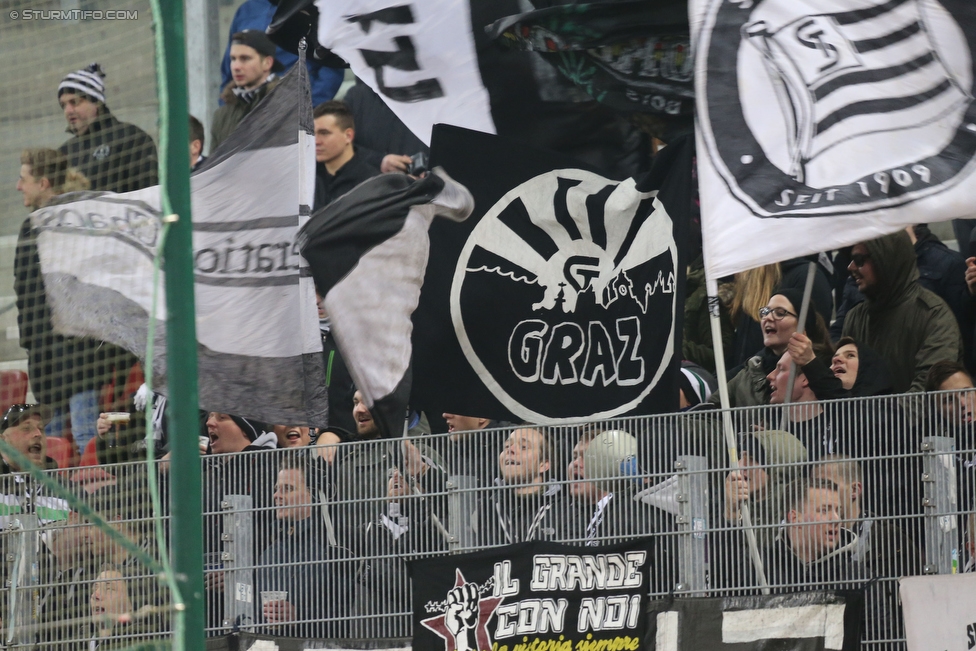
<point x="828" y="472"/>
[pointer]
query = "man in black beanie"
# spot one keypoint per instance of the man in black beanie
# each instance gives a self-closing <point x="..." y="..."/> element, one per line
<point x="253" y="67"/>
<point x="229" y="433"/>
<point x="114" y="156"/>
<point x="225" y="472"/>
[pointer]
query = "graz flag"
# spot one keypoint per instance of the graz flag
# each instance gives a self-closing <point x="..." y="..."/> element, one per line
<point x="822" y="124"/>
<point x="259" y="347"/>
<point x="533" y="596"/>
<point x="558" y="298"/>
<point x="803" y="621"/>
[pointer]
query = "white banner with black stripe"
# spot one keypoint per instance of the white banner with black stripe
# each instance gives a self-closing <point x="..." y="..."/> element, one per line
<point x="800" y="621"/>
<point x="259" y="346"/>
<point x="826" y="123"/>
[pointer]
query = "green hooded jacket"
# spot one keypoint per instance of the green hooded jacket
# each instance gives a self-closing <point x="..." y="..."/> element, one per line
<point x="906" y="324"/>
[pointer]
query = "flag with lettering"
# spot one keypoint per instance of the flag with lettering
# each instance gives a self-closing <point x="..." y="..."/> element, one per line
<point x="533" y="596"/>
<point x="432" y="62"/>
<point x="259" y="347"/>
<point x="823" y="124"/>
<point x="559" y="298"/>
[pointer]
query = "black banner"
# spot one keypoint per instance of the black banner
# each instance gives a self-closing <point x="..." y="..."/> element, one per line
<point x="634" y="56"/>
<point x="801" y="621"/>
<point x="559" y="296"/>
<point x="533" y="597"/>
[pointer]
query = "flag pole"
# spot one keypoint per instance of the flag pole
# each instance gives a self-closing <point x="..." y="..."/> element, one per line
<point x="711" y="287"/>
<point x="801" y="328"/>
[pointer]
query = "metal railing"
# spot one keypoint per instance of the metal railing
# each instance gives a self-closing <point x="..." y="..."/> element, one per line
<point x="315" y="542"/>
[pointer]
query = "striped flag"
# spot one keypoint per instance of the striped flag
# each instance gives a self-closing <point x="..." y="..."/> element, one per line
<point x="259" y="346"/>
<point x="823" y="123"/>
<point x="838" y="71"/>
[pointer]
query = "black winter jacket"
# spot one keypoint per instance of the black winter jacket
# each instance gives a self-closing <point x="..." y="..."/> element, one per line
<point x="114" y="156"/>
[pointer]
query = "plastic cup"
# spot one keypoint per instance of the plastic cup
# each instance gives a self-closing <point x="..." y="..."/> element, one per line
<point x="118" y="417"/>
<point x="270" y="596"/>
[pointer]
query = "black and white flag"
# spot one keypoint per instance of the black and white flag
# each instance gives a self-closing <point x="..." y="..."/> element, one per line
<point x="368" y="253"/>
<point x="822" y="124"/>
<point x="259" y="347"/>
<point x="803" y="621"/>
<point x="559" y="298"/>
<point x="432" y="62"/>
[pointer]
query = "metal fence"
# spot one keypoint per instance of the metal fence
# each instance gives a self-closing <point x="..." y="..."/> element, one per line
<point x="315" y="542"/>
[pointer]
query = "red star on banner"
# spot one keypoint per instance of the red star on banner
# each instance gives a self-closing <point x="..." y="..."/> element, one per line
<point x="486" y="608"/>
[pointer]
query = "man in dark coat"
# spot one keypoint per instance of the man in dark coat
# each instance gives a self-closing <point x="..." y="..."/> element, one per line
<point x="524" y="505"/>
<point x="226" y="472"/>
<point x="254" y="69"/>
<point x="883" y="552"/>
<point x="908" y="325"/>
<point x="813" y="547"/>
<point x="943" y="271"/>
<point x="304" y="561"/>
<point x="114" y="156"/>
<point x="338" y="168"/>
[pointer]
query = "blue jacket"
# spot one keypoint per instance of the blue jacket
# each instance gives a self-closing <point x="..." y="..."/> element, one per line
<point x="257" y="14"/>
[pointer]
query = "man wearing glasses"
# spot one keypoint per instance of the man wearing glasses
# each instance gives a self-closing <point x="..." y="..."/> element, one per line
<point x="908" y="325"/>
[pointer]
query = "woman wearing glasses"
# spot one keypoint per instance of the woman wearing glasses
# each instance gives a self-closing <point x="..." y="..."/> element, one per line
<point x="778" y="320"/>
<point x="752" y="291"/>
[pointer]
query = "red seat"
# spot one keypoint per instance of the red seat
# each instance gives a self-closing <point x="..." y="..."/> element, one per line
<point x="89" y="457"/>
<point x="61" y="450"/>
<point x="13" y="389"/>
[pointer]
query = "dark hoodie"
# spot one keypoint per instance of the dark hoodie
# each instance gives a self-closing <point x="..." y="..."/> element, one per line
<point x="873" y="377"/>
<point x="907" y="325"/>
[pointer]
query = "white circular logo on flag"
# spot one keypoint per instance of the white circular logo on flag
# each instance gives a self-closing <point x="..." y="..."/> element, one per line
<point x="563" y="298"/>
<point x="864" y="106"/>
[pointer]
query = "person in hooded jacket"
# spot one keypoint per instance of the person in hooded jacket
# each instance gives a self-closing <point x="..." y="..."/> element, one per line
<point x="876" y="429"/>
<point x="908" y="325"/>
<point x="943" y="271"/>
<point x="855" y="370"/>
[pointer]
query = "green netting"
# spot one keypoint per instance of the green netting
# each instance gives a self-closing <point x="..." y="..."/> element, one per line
<point x="82" y="549"/>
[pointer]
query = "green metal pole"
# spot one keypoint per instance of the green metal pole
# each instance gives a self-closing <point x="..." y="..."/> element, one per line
<point x="181" y="337"/>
